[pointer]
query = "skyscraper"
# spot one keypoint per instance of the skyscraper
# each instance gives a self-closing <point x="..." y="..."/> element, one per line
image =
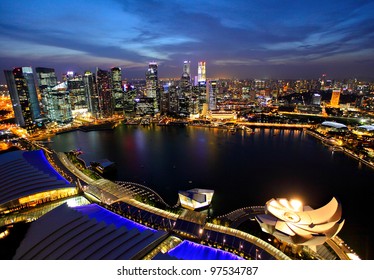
<point x="57" y="103"/>
<point x="91" y="93"/>
<point x="335" y="97"/>
<point x="186" y="67"/>
<point x="186" y="96"/>
<point x="211" y="92"/>
<point x="46" y="77"/>
<point x="78" y="98"/>
<point x="106" y="103"/>
<point x="14" y="97"/>
<point x="152" y="89"/>
<point x="24" y="98"/>
<point x="201" y="72"/>
<point x="117" y="91"/>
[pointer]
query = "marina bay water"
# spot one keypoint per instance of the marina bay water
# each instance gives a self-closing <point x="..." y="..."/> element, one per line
<point x="244" y="169"/>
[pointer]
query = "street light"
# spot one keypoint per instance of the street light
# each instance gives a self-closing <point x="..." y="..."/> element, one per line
<point x="258" y="256"/>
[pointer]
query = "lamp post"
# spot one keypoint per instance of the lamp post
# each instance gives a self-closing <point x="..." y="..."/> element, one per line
<point x="258" y="256"/>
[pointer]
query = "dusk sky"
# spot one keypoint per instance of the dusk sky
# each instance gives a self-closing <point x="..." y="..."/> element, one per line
<point x="237" y="38"/>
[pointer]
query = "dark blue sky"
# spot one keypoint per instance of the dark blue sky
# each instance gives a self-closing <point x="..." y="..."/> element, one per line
<point x="237" y="38"/>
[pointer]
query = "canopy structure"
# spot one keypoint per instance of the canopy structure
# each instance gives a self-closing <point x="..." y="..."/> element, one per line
<point x="27" y="179"/>
<point x="334" y="125"/>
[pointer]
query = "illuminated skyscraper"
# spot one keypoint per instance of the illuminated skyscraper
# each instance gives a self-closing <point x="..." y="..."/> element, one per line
<point x="46" y="78"/>
<point x="316" y="99"/>
<point x="78" y="98"/>
<point x="91" y="93"/>
<point x="211" y="92"/>
<point x="152" y="90"/>
<point x="117" y="91"/>
<point x="24" y="98"/>
<point x="104" y="93"/>
<point x="173" y="100"/>
<point x="201" y="72"/>
<point x="57" y="103"/>
<point x="129" y="102"/>
<point x="151" y="80"/>
<point x="335" y="97"/>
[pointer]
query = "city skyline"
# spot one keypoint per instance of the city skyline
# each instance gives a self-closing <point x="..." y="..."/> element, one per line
<point x="236" y="39"/>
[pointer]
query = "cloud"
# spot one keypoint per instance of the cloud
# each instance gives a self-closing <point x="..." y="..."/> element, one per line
<point x="224" y="33"/>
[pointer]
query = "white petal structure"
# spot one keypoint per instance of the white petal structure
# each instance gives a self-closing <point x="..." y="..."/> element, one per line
<point x="290" y="221"/>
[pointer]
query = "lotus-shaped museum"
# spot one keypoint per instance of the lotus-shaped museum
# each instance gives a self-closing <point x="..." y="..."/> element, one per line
<point x="290" y="221"/>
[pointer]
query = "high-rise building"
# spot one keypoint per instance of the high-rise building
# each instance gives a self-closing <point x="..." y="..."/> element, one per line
<point x="16" y="104"/>
<point x="91" y="93"/>
<point x="335" y="97"/>
<point x="106" y="102"/>
<point x="316" y="99"/>
<point x="173" y="100"/>
<point x="164" y="102"/>
<point x="67" y="76"/>
<point x="185" y="83"/>
<point x="211" y="92"/>
<point x="58" y="106"/>
<point x="186" y="67"/>
<point x="151" y="77"/>
<point x="78" y="98"/>
<point x="152" y="88"/>
<point x="129" y="103"/>
<point x="24" y="98"/>
<point x="47" y="79"/>
<point x="117" y="91"/>
<point x="201" y="72"/>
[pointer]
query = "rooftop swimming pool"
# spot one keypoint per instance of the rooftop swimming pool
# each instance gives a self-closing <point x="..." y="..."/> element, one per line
<point x="188" y="250"/>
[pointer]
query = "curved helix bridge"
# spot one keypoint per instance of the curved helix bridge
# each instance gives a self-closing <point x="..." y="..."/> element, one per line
<point x="136" y="189"/>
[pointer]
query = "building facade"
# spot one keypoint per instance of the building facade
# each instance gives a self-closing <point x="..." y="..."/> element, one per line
<point x="152" y="88"/>
<point x="103" y="84"/>
<point x="117" y="91"/>
<point x="24" y="97"/>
